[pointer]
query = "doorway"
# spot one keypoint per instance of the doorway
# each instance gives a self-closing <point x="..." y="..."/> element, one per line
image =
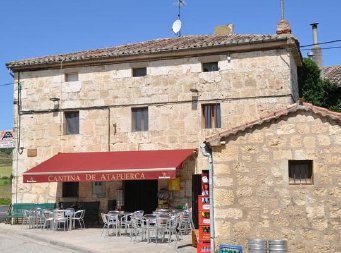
<point x="140" y="195"/>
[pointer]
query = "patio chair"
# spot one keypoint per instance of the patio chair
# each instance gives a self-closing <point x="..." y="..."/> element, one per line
<point x="26" y="217"/>
<point x="186" y="223"/>
<point x="109" y="221"/>
<point x="125" y="222"/>
<point x="173" y="229"/>
<point x="59" y="218"/>
<point x="48" y="219"/>
<point x="78" y="216"/>
<point x="138" y="227"/>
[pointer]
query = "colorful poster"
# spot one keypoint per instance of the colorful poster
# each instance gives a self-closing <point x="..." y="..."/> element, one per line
<point x="7" y="139"/>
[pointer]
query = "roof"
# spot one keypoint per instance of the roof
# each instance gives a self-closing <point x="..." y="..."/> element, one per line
<point x="323" y="112"/>
<point x="109" y="166"/>
<point x="152" y="47"/>
<point x="332" y="73"/>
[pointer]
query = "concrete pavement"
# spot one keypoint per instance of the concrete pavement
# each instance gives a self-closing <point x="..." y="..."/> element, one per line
<point x="89" y="240"/>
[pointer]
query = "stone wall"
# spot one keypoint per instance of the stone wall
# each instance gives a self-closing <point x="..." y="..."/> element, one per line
<point x="253" y="198"/>
<point x="249" y="84"/>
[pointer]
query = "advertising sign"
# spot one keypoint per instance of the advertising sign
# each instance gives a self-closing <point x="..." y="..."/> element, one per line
<point x="7" y="139"/>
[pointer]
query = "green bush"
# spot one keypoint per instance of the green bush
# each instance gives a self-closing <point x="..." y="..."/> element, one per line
<point x="5" y="201"/>
<point x="5" y="181"/>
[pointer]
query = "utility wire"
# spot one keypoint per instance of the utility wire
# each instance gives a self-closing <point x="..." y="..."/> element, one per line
<point x="324" y="48"/>
<point x="321" y="43"/>
<point x="6" y="84"/>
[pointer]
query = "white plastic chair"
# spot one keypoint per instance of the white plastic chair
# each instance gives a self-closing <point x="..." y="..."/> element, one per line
<point x="48" y="219"/>
<point x="59" y="218"/>
<point x="78" y="216"/>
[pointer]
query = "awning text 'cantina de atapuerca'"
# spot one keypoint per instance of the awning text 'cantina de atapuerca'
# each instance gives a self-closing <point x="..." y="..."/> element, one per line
<point x="109" y="166"/>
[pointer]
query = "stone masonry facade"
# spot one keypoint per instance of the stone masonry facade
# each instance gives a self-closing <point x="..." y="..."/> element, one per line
<point x="253" y="197"/>
<point x="247" y="83"/>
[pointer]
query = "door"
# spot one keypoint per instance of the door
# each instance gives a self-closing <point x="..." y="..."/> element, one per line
<point x="140" y="195"/>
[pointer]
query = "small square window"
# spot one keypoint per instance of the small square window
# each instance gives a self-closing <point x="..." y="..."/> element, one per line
<point x="139" y="119"/>
<point x="98" y="188"/>
<point x="70" y="189"/>
<point x="71" y="125"/>
<point x="210" y="66"/>
<point x="71" y="77"/>
<point x="300" y="172"/>
<point x="211" y="117"/>
<point x="139" y="72"/>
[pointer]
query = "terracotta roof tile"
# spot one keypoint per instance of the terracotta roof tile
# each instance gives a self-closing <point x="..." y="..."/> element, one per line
<point x="333" y="73"/>
<point x="151" y="47"/>
<point x="323" y="112"/>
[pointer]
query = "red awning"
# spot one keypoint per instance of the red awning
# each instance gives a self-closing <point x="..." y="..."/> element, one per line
<point x="109" y="166"/>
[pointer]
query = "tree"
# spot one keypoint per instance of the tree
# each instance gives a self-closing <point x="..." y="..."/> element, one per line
<point x="315" y="90"/>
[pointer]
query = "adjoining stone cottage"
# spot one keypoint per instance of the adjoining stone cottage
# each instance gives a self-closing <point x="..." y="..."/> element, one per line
<point x="278" y="177"/>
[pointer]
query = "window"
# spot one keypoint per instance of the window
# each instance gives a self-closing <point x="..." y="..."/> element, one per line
<point x="300" y="172"/>
<point x="139" y="72"/>
<point x="210" y="66"/>
<point x="211" y="116"/>
<point x="71" y="77"/>
<point x="139" y="119"/>
<point x="71" y="123"/>
<point x="70" y="189"/>
<point x="98" y="188"/>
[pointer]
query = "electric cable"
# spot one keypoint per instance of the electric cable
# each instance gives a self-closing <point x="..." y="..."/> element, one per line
<point x="322" y="43"/>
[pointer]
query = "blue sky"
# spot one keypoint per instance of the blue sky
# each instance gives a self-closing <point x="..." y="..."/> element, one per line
<point x="46" y="27"/>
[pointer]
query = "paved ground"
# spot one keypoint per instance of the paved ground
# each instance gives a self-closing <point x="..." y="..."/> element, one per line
<point x="3" y="212"/>
<point x="89" y="240"/>
<point x="14" y="243"/>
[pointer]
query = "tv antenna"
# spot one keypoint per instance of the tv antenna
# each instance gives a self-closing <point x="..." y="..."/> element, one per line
<point x="176" y="27"/>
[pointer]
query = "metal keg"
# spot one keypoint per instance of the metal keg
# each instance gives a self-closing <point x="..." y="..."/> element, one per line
<point x="257" y="246"/>
<point x="278" y="246"/>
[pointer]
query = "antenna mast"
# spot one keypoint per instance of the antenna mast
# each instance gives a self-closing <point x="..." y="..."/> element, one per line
<point x="282" y="9"/>
<point x="176" y="27"/>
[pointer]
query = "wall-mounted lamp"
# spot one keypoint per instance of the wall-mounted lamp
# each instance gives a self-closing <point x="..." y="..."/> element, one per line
<point x="55" y="99"/>
<point x="55" y="103"/>
<point x="229" y="58"/>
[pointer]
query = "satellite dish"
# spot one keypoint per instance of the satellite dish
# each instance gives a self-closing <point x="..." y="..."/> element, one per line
<point x="176" y="27"/>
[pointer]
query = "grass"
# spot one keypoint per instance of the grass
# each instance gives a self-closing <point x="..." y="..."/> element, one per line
<point x="5" y="181"/>
<point x="5" y="170"/>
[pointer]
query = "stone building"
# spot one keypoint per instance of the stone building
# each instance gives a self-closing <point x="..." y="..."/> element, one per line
<point x="164" y="94"/>
<point x="278" y="177"/>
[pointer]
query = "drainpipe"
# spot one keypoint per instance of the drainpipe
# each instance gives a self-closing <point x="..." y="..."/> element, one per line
<point x="207" y="152"/>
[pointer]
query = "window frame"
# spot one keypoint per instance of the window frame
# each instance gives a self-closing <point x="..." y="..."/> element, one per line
<point x="68" y="75"/>
<point x="139" y="119"/>
<point x="98" y="188"/>
<point x="215" y="116"/>
<point x="210" y="66"/>
<point x="73" y="193"/>
<point x="135" y="72"/>
<point x="295" y="166"/>
<point x="67" y="123"/>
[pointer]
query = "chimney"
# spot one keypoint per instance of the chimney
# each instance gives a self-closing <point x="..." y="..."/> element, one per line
<point x="283" y="26"/>
<point x="224" y="29"/>
<point x="316" y="52"/>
